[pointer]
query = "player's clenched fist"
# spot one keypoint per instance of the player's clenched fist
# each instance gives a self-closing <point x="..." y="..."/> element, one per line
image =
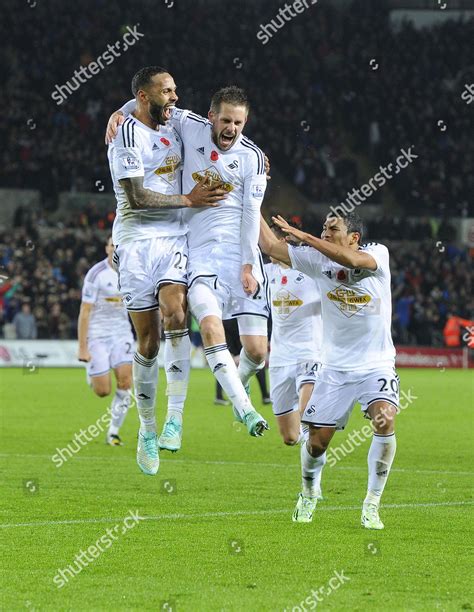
<point x="205" y="194"/>
<point x="249" y="283"/>
<point x="84" y="355"/>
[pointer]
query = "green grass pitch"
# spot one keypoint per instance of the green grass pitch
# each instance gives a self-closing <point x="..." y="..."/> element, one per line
<point x="218" y="533"/>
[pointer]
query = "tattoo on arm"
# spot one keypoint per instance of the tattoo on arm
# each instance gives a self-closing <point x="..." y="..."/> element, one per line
<point x="141" y="198"/>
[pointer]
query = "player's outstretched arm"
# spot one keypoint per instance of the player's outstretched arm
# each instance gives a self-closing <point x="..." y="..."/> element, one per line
<point x="141" y="198"/>
<point x="271" y="246"/>
<point x="82" y="330"/>
<point x="342" y="255"/>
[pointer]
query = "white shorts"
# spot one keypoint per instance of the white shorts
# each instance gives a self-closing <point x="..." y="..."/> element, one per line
<point x="286" y="382"/>
<point x="109" y="353"/>
<point x="335" y="394"/>
<point x="143" y="266"/>
<point x="220" y="273"/>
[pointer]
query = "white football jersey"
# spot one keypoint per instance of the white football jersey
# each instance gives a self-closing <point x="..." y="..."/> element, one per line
<point x="108" y="316"/>
<point x="137" y="150"/>
<point x="236" y="221"/>
<point x="296" y="317"/>
<point x="356" y="308"/>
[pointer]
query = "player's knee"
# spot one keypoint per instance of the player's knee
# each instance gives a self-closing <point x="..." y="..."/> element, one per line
<point x="125" y="383"/>
<point x="174" y="320"/>
<point x="317" y="447"/>
<point x="148" y="346"/>
<point x="290" y="438"/>
<point x="211" y="330"/>
<point x="101" y="390"/>
<point x="383" y="420"/>
<point x="256" y="354"/>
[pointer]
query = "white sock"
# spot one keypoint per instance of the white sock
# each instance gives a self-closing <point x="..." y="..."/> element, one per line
<point x="304" y="433"/>
<point x="177" y="367"/>
<point x="119" y="409"/>
<point x="224" y="369"/>
<point x="145" y="382"/>
<point x="311" y="470"/>
<point x="248" y="367"/>
<point x="381" y="455"/>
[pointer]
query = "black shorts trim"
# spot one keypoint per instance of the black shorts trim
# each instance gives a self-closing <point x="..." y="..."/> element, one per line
<point x="320" y="424"/>
<point x="381" y="399"/>
<point x="201" y="276"/>
<point x="255" y="314"/>
<point x="169" y="281"/>
<point x="143" y="309"/>
<point x="286" y="412"/>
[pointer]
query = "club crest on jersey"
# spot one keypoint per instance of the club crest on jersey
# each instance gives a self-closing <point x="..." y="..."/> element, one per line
<point x="130" y="162"/>
<point x="299" y="278"/>
<point x="167" y="171"/>
<point x="213" y="176"/>
<point x="348" y="301"/>
<point x="234" y="165"/>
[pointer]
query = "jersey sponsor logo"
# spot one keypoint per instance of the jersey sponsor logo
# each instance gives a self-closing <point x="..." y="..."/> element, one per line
<point x="213" y="176"/>
<point x="167" y="170"/>
<point x="214" y="156"/>
<point x="285" y="303"/>
<point x="348" y="301"/>
<point x="257" y="191"/>
<point x="165" y="141"/>
<point x="130" y="162"/>
<point x="200" y="150"/>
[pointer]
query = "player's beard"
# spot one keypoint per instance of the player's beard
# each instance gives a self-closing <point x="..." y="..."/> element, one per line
<point x="157" y="113"/>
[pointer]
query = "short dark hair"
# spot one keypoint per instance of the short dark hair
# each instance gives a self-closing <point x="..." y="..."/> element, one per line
<point x="142" y="78"/>
<point x="229" y="95"/>
<point x="352" y="221"/>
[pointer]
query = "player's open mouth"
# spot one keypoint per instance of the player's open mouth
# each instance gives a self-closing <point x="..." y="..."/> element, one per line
<point x="226" y="140"/>
<point x="167" y="112"/>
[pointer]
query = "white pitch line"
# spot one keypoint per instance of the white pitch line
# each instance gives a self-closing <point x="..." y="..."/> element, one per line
<point x="163" y="517"/>
<point x="244" y="463"/>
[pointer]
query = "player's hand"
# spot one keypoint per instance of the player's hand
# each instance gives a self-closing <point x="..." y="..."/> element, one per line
<point x="84" y="355"/>
<point x="115" y="120"/>
<point x="267" y="167"/>
<point x="205" y="194"/>
<point x="249" y="283"/>
<point x="289" y="229"/>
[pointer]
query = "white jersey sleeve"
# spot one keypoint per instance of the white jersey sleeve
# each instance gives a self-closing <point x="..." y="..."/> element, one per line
<point x="127" y="160"/>
<point x="90" y="289"/>
<point x="381" y="255"/>
<point x="128" y="108"/>
<point x="306" y="260"/>
<point x="255" y="184"/>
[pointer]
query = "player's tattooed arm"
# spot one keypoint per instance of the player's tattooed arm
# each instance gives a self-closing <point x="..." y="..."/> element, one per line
<point x="141" y="198"/>
<point x="271" y="246"/>
<point x="345" y="256"/>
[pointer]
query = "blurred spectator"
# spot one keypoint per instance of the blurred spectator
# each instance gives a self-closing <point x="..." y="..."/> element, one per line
<point x="25" y="324"/>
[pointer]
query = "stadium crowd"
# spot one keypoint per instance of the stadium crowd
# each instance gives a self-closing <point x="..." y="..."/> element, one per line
<point x="314" y="105"/>
<point x="42" y="266"/>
